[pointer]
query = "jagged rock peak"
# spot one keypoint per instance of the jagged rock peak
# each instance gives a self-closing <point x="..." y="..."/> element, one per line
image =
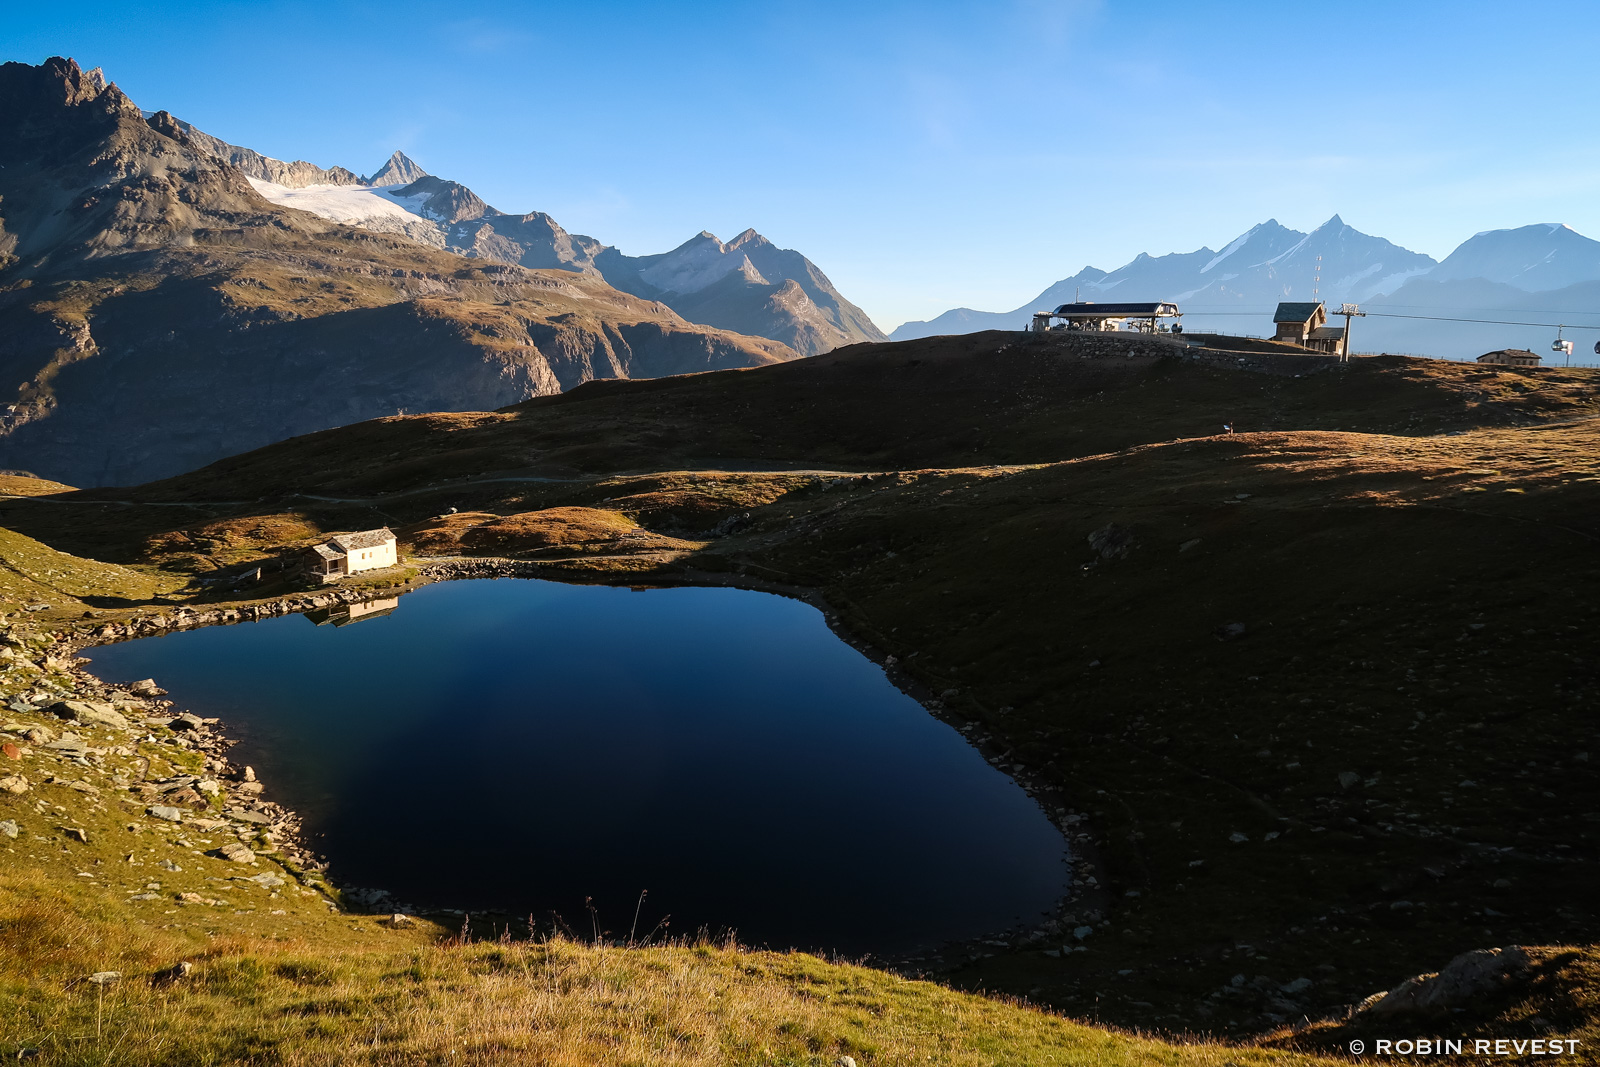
<point x="399" y="170"/>
<point x="748" y="237"/>
<point x="58" y="80"/>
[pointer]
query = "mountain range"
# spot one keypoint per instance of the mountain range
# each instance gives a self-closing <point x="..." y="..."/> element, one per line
<point x="158" y="313"/>
<point x="748" y="284"/>
<point x="1540" y="273"/>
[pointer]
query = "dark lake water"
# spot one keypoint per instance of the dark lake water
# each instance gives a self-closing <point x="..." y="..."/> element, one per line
<point x="523" y="745"/>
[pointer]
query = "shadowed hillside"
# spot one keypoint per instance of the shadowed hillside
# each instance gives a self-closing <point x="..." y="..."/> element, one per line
<point x="1311" y="700"/>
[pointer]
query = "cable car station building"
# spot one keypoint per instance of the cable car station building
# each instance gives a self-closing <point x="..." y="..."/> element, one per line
<point x="1102" y="318"/>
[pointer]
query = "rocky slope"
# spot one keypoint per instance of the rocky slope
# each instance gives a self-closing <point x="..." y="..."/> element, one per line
<point x="748" y="284"/>
<point x="157" y="313"/>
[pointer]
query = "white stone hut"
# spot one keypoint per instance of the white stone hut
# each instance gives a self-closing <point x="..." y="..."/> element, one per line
<point x="353" y="553"/>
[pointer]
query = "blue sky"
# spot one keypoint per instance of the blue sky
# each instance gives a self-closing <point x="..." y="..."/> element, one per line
<point x="925" y="155"/>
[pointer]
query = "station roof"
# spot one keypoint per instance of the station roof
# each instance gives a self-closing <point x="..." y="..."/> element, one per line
<point x="1089" y="309"/>
<point x="1296" y="311"/>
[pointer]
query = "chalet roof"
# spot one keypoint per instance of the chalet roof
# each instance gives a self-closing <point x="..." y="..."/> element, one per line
<point x="364" y="539"/>
<point x="1111" y="311"/>
<point x="327" y="552"/>
<point x="1296" y="311"/>
<point x="1326" y="333"/>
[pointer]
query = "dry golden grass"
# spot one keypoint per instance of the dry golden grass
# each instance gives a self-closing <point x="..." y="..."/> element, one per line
<point x="569" y="529"/>
<point x="362" y="994"/>
<point x="19" y="485"/>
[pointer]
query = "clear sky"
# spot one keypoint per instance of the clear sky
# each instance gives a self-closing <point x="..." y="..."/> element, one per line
<point x="924" y="155"/>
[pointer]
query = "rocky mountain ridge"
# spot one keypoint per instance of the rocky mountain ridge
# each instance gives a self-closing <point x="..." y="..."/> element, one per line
<point x="156" y="313"/>
<point x="748" y="284"/>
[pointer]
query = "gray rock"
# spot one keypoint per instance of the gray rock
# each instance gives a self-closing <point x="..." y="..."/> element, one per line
<point x="145" y="896"/>
<point x="176" y="972"/>
<point x="1082" y="932"/>
<point x="146" y="687"/>
<point x="1468" y="977"/>
<point x="10" y="829"/>
<point x="14" y="783"/>
<point x="1348" y="779"/>
<point x="186" y="721"/>
<point x="267" y="881"/>
<point x="90" y="713"/>
<point x="1299" y="985"/>
<point x="253" y="817"/>
<point x="236" y="853"/>
<point x="162" y="811"/>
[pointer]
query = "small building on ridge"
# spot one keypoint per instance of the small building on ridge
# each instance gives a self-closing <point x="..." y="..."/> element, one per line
<point x="1511" y="357"/>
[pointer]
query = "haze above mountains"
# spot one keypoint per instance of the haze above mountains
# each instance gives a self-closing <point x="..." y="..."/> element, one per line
<point x="1545" y="272"/>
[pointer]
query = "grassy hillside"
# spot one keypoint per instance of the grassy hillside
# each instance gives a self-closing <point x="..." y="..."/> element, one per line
<point x="1314" y="700"/>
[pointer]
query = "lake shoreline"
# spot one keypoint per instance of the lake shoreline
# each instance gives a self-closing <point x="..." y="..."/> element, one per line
<point x="1083" y="906"/>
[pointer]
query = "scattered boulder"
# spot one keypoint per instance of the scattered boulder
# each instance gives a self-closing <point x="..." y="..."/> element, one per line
<point x="163" y="811"/>
<point x="146" y="687"/>
<point x="176" y="973"/>
<point x="11" y="751"/>
<point x="14" y="783"/>
<point x="243" y="815"/>
<point x="400" y="920"/>
<point x="267" y="880"/>
<point x="76" y="834"/>
<point x="1111" y="541"/>
<point x="89" y="713"/>
<point x="9" y="828"/>
<point x="1469" y="977"/>
<point x="105" y="977"/>
<point x="236" y="853"/>
<point x="187" y="721"/>
<point x="39" y="735"/>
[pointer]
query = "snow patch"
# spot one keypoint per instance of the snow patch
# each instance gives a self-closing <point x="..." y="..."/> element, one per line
<point x="341" y="203"/>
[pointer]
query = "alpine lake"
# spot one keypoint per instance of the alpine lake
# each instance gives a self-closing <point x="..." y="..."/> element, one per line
<point x="708" y="759"/>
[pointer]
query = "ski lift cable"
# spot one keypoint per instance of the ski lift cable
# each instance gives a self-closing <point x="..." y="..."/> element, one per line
<point x="1486" y="322"/>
